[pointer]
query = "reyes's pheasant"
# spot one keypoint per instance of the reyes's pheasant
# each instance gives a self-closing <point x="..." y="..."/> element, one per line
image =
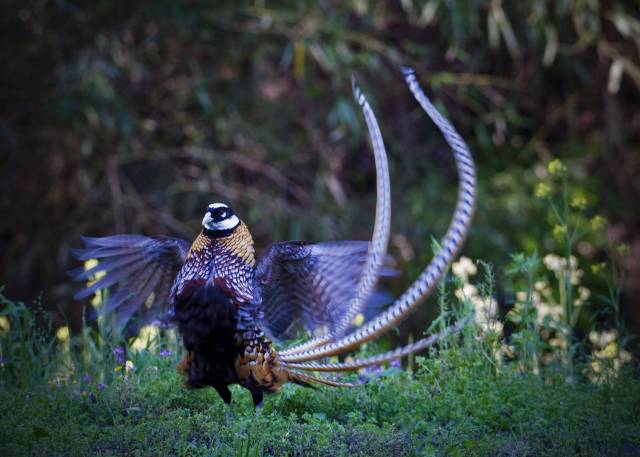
<point x="228" y="306"/>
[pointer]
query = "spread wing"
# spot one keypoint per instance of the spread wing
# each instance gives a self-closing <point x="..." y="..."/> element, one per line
<point x="141" y="268"/>
<point x="304" y="285"/>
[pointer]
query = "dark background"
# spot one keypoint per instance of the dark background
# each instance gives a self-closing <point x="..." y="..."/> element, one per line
<point x="132" y="116"/>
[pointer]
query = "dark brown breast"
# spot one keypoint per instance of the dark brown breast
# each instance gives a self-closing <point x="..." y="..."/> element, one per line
<point x="213" y="303"/>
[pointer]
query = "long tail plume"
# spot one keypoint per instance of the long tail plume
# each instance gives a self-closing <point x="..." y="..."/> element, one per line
<point x="380" y="239"/>
<point x="450" y="245"/>
<point x="386" y="356"/>
<point x="308" y="380"/>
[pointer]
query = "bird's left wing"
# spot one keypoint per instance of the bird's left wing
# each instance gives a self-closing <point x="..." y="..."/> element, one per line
<point x="309" y="286"/>
<point x="142" y="268"/>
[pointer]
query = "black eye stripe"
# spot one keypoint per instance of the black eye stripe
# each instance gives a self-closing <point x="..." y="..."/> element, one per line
<point x="221" y="213"/>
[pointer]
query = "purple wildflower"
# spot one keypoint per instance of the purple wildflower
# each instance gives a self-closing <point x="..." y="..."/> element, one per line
<point x="86" y="378"/>
<point x="166" y="352"/>
<point x="101" y="386"/>
<point x="164" y="323"/>
<point x="374" y="370"/>
<point x="119" y="355"/>
<point x="396" y="363"/>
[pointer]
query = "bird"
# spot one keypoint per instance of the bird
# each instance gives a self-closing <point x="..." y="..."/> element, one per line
<point x="233" y="310"/>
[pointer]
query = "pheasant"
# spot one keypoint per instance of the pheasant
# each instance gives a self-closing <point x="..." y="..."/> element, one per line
<point x="230" y="307"/>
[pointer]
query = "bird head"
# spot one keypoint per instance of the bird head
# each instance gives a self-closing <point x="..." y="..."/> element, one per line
<point x="219" y="220"/>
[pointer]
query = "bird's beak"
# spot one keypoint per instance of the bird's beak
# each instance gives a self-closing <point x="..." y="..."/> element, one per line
<point x="207" y="218"/>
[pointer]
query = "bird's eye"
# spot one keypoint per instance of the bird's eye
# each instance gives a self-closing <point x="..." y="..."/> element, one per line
<point x="220" y="214"/>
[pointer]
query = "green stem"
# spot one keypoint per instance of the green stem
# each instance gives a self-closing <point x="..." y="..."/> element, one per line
<point x="568" y="241"/>
<point x="614" y="288"/>
<point x="531" y="323"/>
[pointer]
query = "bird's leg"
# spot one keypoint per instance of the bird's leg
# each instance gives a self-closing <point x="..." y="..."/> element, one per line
<point x="228" y="415"/>
<point x="257" y="398"/>
<point x="225" y="394"/>
<point x="258" y="405"/>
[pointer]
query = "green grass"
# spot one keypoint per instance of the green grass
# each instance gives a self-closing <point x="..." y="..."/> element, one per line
<point x="74" y="396"/>
<point x="454" y="405"/>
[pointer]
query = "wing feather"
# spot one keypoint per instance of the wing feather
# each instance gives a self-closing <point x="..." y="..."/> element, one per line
<point x="139" y="268"/>
<point x="307" y="286"/>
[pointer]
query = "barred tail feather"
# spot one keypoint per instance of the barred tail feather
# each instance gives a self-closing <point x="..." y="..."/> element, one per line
<point x="384" y="357"/>
<point x="454" y="237"/>
<point x="377" y="249"/>
<point x="306" y="380"/>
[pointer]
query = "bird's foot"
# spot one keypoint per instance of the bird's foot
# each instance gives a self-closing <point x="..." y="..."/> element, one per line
<point x="228" y="415"/>
<point x="259" y="407"/>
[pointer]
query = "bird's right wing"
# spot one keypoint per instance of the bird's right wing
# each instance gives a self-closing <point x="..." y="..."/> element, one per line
<point x="142" y="268"/>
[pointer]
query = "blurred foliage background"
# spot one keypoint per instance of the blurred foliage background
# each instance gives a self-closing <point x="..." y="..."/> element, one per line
<point x="132" y="116"/>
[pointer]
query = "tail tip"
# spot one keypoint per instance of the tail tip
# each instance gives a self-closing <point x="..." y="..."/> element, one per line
<point x="355" y="88"/>
<point x="407" y="70"/>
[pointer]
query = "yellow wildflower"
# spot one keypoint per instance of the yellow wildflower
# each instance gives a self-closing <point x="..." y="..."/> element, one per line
<point x="543" y="190"/>
<point x="554" y="263"/>
<point x="358" y="320"/>
<point x="63" y="334"/>
<point x="467" y="291"/>
<point x="623" y="249"/>
<point x="559" y="231"/>
<point x="603" y="338"/>
<point x="88" y="265"/>
<point x="584" y="293"/>
<point x="147" y="337"/>
<point x="464" y="268"/>
<point x="578" y="202"/>
<point x="96" y="300"/>
<point x="598" y="268"/>
<point x="598" y="222"/>
<point x="557" y="168"/>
